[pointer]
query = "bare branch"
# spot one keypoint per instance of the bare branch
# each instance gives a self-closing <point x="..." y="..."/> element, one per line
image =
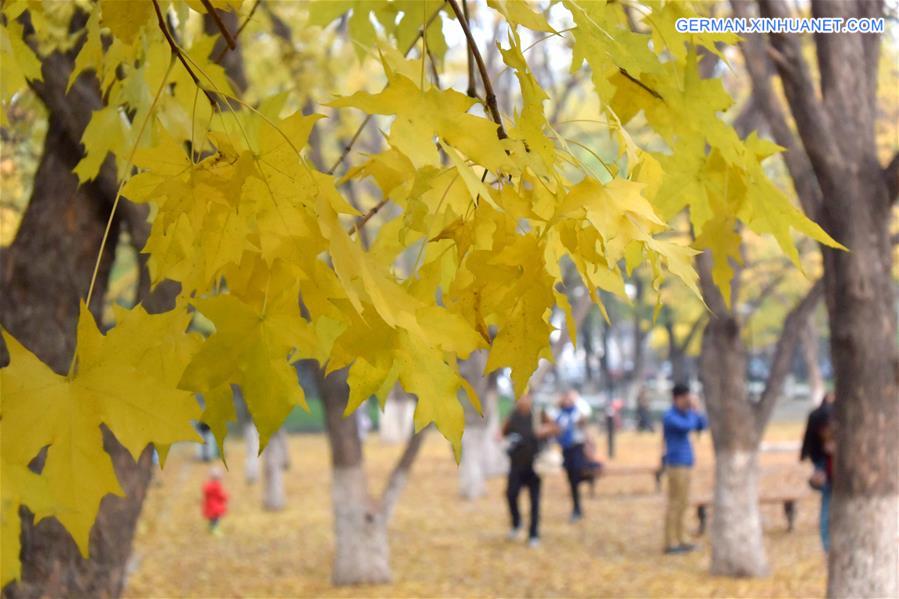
<point x="489" y="95"/>
<point x="210" y="10"/>
<point x="400" y="474"/>
<point x="789" y="339"/>
<point x="246" y="21"/>
<point x="472" y="86"/>
<point x="808" y="111"/>
<point x="176" y="52"/>
<point x="765" y="293"/>
<point x="758" y="66"/>
<point x="363" y="220"/>
<point x="694" y="329"/>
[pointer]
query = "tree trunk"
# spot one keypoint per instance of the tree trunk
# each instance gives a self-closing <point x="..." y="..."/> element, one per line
<point x="835" y="116"/>
<point x="482" y="454"/>
<point x="736" y="532"/>
<point x="44" y="275"/>
<point x="251" y="443"/>
<point x="865" y="509"/>
<point x="361" y="551"/>
<point x="274" y="456"/>
<point x="680" y="370"/>
<point x="395" y="424"/>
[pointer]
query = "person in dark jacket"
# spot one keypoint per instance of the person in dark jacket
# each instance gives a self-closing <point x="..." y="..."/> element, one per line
<point x="679" y="421"/>
<point x="524" y="439"/>
<point x="817" y="447"/>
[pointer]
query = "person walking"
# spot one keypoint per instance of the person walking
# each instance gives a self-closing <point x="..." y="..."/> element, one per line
<point x="679" y="421"/>
<point x="524" y="440"/>
<point x="817" y="447"/>
<point x="571" y="420"/>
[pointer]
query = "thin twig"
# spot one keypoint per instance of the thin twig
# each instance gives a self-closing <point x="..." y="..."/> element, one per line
<point x="210" y="10"/>
<point x="349" y="146"/>
<point x="362" y="220"/>
<point x="489" y="95"/>
<point x="648" y="89"/>
<point x="472" y="88"/>
<point x="246" y="22"/>
<point x="177" y="53"/>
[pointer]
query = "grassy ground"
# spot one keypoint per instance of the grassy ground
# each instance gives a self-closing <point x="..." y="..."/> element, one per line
<point x="443" y="546"/>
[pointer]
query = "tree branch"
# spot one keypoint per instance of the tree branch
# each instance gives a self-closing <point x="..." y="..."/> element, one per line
<point x="246" y="21"/>
<point x="811" y="118"/>
<point x="694" y="329"/>
<point x="472" y="87"/>
<point x="765" y="292"/>
<point x="759" y="67"/>
<point x="210" y="10"/>
<point x="400" y="474"/>
<point x="784" y="350"/>
<point x="363" y="220"/>
<point x="489" y="94"/>
<point x="176" y="52"/>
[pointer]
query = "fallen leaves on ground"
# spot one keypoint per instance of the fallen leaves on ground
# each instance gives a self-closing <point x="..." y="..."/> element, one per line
<point x="443" y="546"/>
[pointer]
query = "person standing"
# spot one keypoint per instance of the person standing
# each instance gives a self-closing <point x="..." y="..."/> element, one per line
<point x="524" y="441"/>
<point x="679" y="421"/>
<point x="571" y="420"/>
<point x="644" y="413"/>
<point x="817" y="447"/>
<point x="215" y="500"/>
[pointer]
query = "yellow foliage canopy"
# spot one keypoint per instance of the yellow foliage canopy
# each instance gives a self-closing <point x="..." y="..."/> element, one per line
<point x="269" y="248"/>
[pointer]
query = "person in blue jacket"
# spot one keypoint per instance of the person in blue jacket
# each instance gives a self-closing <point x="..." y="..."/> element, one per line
<point x="679" y="421"/>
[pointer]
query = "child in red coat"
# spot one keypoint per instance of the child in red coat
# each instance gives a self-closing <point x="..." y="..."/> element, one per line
<point x="215" y="499"/>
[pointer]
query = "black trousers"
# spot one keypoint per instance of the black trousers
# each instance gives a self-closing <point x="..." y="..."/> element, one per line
<point x="524" y="477"/>
<point x="574" y="462"/>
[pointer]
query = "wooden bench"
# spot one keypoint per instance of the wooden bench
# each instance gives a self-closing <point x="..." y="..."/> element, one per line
<point x="704" y="505"/>
<point x="626" y="471"/>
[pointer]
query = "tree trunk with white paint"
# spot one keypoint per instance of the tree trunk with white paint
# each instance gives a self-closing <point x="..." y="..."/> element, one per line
<point x="251" y="443"/>
<point x="472" y="475"/>
<point x="833" y="102"/>
<point x="273" y="457"/>
<point x="482" y="453"/>
<point x="396" y="422"/>
<point x="736" y="529"/>
<point x="361" y="551"/>
<point x="864" y="533"/>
